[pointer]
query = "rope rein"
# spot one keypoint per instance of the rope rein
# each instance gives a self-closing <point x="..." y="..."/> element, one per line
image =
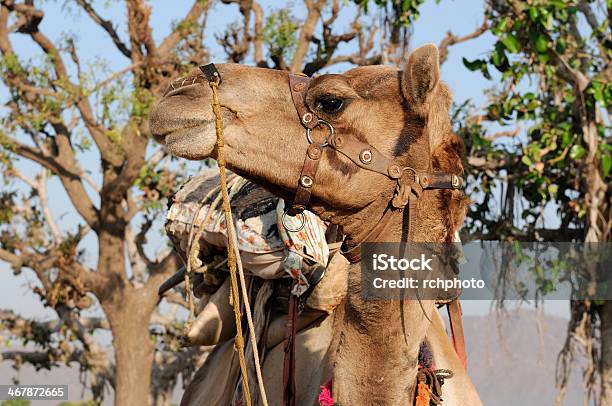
<point x="235" y="263"/>
<point x="196" y="230"/>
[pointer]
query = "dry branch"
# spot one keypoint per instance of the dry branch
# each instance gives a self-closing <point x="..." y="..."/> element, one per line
<point x="106" y="26"/>
<point x="452" y="39"/>
<point x="196" y="11"/>
<point x="308" y="28"/>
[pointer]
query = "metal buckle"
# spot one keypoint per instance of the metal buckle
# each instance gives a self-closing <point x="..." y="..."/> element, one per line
<point x="456" y="182"/>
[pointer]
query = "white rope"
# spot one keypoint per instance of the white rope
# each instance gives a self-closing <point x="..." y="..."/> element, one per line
<point x="231" y="234"/>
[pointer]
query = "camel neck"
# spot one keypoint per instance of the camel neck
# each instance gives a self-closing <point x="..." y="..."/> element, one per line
<point x="390" y="225"/>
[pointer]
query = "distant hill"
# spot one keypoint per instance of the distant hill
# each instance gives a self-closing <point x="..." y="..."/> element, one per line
<point x="516" y="370"/>
<point x="519" y="368"/>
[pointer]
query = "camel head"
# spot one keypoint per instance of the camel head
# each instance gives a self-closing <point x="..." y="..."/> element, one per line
<point x="403" y="114"/>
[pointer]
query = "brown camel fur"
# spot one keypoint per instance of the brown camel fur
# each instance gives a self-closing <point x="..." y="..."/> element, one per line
<point x="403" y="114"/>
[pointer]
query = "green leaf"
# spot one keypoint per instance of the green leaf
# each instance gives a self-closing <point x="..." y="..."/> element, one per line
<point x="548" y="21"/>
<point x="577" y="151"/>
<point x="526" y="160"/>
<point x="501" y="27"/>
<point x="541" y="43"/>
<point x="543" y="58"/>
<point x="597" y="91"/>
<point x="511" y="43"/>
<point x="499" y="59"/>
<point x="474" y="65"/>
<point x="606" y="164"/>
<point x="485" y="72"/>
<point x="559" y="4"/>
<point x="560" y="46"/>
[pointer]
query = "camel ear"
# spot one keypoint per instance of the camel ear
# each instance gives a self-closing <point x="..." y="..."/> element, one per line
<point x="421" y="75"/>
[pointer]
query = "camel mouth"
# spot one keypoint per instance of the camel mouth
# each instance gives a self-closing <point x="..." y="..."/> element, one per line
<point x="194" y="143"/>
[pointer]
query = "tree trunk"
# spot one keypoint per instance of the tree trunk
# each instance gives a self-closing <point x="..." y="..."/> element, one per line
<point x="598" y="219"/>
<point x="133" y="350"/>
<point x="606" y="353"/>
<point x="128" y="311"/>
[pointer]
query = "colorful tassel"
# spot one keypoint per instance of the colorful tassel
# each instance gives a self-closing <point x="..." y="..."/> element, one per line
<point x="325" y="398"/>
<point x="422" y="398"/>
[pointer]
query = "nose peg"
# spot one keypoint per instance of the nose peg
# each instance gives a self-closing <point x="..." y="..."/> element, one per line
<point x="211" y="73"/>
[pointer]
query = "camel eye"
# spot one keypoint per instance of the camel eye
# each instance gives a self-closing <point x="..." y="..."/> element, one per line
<point x="329" y="104"/>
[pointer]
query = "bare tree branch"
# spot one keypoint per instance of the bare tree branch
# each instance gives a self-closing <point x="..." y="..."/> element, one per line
<point x="257" y="35"/>
<point x="162" y="270"/>
<point x="198" y="8"/>
<point x="504" y="162"/>
<point x="176" y="298"/>
<point x="314" y="14"/>
<point x="107" y="149"/>
<point x="18" y="174"/>
<point x="106" y="26"/>
<point x="16" y="261"/>
<point x="452" y="39"/>
<point x="41" y="189"/>
<point x="114" y="76"/>
<point x="141" y="37"/>
<point x="328" y="46"/>
<point x="138" y="264"/>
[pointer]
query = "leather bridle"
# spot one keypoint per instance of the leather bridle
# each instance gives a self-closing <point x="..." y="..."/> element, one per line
<point x="410" y="182"/>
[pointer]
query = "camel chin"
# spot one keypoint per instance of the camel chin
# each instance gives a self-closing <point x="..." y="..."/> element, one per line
<point x="195" y="143"/>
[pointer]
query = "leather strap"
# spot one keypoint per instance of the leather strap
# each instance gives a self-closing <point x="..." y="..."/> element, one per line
<point x="307" y="179"/>
<point x="412" y="216"/>
<point x="289" y="392"/>
<point x="367" y="157"/>
<point x="298" y="84"/>
<point x="364" y="155"/>
<point x="351" y="250"/>
<point x="456" y="326"/>
<point x="439" y="180"/>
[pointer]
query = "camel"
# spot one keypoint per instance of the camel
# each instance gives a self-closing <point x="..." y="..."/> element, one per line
<point x="368" y="348"/>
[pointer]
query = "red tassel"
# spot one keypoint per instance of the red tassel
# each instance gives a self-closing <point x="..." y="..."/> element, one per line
<point x="325" y="398"/>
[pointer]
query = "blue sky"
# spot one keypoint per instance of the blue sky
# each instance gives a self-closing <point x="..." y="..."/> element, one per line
<point x="461" y="17"/>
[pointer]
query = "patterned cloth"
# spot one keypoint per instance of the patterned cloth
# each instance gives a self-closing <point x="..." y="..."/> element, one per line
<point x="308" y="243"/>
<point x="260" y="231"/>
<point x="256" y="234"/>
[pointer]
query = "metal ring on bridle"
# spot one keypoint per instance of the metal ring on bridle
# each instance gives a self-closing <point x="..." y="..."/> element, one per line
<point x="407" y="168"/>
<point x="326" y="142"/>
<point x="444" y="373"/>
<point x="293" y="230"/>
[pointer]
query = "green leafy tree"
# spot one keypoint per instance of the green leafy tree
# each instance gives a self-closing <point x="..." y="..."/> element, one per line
<point x="551" y="59"/>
